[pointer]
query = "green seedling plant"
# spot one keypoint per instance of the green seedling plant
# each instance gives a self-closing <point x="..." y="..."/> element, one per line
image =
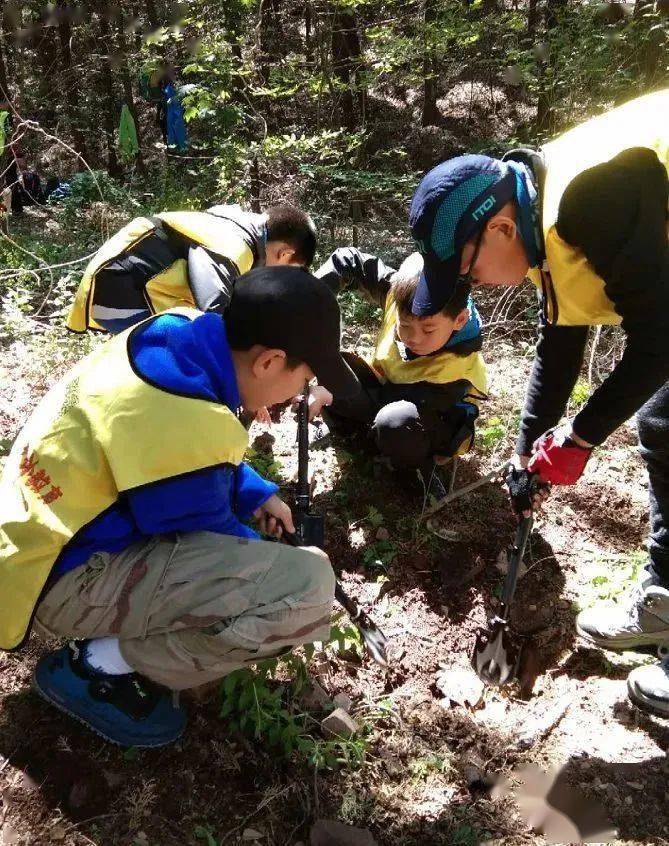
<point x="345" y="641"/>
<point x="490" y="435"/>
<point x="265" y="464"/>
<point x="579" y="395"/>
<point x="620" y="572"/>
<point x="422" y="768"/>
<point x="257" y="705"/>
<point x="374" y="517"/>
<point x="206" y="833"/>
<point x="379" y="555"/>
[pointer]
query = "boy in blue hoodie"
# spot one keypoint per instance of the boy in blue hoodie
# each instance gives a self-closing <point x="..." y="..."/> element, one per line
<point x="124" y="507"/>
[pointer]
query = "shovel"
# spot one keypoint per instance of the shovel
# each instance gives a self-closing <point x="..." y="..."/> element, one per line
<point x="310" y="531"/>
<point x="496" y="655"/>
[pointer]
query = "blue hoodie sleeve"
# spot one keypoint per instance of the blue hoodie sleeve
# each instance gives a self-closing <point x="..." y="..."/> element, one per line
<point x="251" y="491"/>
<point x="200" y="501"/>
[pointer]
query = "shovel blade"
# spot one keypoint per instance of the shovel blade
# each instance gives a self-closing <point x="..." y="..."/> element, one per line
<point x="374" y="639"/>
<point x="495" y="658"/>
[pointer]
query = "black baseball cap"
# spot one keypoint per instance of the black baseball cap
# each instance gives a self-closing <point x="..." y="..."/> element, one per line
<point x="285" y="307"/>
<point x="452" y="203"/>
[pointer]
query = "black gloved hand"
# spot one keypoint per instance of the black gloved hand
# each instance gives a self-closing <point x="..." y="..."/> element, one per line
<point x="522" y="486"/>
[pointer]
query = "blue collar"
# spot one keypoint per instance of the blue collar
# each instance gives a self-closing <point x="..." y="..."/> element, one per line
<point x="188" y="357"/>
<point x="216" y="358"/>
<point x="470" y="331"/>
<point x="527" y="203"/>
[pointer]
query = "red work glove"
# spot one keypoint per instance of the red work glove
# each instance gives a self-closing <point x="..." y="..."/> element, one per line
<point x="557" y="458"/>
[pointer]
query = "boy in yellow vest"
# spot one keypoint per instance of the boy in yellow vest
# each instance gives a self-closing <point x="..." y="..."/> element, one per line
<point x="586" y="219"/>
<point x="185" y="258"/>
<point x="420" y="391"/>
<point x="124" y="506"/>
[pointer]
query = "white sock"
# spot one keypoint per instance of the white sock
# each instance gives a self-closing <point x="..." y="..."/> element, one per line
<point x="104" y="655"/>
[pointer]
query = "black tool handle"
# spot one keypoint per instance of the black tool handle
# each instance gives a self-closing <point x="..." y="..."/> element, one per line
<point x="515" y="559"/>
<point x="303" y="492"/>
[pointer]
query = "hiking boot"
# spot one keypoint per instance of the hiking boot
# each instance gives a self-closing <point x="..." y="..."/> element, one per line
<point x="642" y="621"/>
<point x="126" y="709"/>
<point x="648" y="687"/>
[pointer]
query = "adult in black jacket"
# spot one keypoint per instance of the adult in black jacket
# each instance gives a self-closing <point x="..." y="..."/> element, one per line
<point x="586" y="219"/>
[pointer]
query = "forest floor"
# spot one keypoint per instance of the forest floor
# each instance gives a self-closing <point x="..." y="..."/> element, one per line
<point x="431" y="742"/>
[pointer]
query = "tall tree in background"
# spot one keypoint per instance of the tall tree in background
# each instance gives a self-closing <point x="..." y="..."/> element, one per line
<point x="347" y="64"/>
<point x="4" y="88"/>
<point x="430" y="113"/>
<point x="107" y="83"/>
<point x="544" y="119"/>
<point x="70" y="79"/>
<point x="126" y="80"/>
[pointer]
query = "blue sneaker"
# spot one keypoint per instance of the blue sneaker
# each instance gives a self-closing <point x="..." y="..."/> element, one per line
<point x="129" y="709"/>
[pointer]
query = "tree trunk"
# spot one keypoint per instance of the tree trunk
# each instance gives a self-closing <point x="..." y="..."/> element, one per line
<point x="255" y="185"/>
<point x="127" y="85"/>
<point x="4" y="88"/>
<point x="430" y="115"/>
<point x="46" y="53"/>
<point x="346" y="61"/>
<point x="152" y="14"/>
<point x="8" y="38"/>
<point x="544" y="120"/>
<point x="308" y="39"/>
<point x="270" y="36"/>
<point x="70" y="84"/>
<point x="110" y="110"/>
<point x="532" y="19"/>
<point x="651" y="51"/>
<point x="233" y="23"/>
<point x="554" y="9"/>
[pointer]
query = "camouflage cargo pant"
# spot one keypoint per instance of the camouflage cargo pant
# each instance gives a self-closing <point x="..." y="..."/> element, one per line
<point x="190" y="608"/>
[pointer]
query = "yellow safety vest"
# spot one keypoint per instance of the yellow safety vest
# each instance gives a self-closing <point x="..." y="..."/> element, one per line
<point x="99" y="431"/>
<point x="573" y="293"/>
<point x="169" y="288"/>
<point x="439" y="369"/>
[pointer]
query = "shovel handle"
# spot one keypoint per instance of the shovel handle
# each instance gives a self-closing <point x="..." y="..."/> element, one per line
<point x="489" y="477"/>
<point x="515" y="559"/>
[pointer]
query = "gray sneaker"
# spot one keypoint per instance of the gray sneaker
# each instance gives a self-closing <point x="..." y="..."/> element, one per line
<point x="648" y="687"/>
<point x="642" y="621"/>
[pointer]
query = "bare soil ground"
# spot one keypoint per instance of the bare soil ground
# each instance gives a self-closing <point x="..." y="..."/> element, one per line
<point x="428" y="752"/>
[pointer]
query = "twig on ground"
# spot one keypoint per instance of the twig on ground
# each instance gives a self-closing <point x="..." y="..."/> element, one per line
<point x="267" y="800"/>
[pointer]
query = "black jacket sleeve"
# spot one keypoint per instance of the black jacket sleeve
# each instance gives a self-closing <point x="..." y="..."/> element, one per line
<point x="557" y="363"/>
<point x="211" y="279"/>
<point x="347" y="267"/>
<point x="616" y="214"/>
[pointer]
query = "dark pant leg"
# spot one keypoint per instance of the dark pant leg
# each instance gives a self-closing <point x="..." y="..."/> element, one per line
<point x="12" y="182"/>
<point x="410" y="436"/>
<point x="653" y="424"/>
<point x="350" y="415"/>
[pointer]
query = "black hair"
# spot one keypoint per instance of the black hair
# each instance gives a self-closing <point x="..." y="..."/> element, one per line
<point x="241" y="336"/>
<point x="295" y="227"/>
<point x="404" y="282"/>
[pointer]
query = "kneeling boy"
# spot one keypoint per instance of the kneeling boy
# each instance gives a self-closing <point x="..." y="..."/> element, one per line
<point x="420" y="391"/>
<point x="124" y="501"/>
<point x="185" y="258"/>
